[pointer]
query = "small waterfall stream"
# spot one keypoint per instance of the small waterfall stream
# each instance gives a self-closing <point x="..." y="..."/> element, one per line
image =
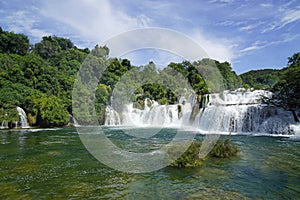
<point x="23" y="118"/>
<point x="4" y="125"/>
<point x="112" y="117"/>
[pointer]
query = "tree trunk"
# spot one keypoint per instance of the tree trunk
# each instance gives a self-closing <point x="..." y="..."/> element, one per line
<point x="295" y="116"/>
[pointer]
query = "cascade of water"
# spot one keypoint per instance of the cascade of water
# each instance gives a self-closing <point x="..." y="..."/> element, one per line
<point x="75" y="121"/>
<point x="153" y="115"/>
<point x="160" y="115"/>
<point x="242" y="111"/>
<point x="72" y="121"/>
<point x="239" y="111"/>
<point x="3" y="125"/>
<point x="296" y="129"/>
<point x="238" y="97"/>
<point x="112" y="117"/>
<point x="23" y="118"/>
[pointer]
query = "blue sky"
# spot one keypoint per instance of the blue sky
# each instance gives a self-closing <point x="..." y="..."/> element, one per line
<point x="250" y="34"/>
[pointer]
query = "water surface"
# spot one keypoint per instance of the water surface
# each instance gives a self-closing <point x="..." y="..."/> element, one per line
<point x="54" y="164"/>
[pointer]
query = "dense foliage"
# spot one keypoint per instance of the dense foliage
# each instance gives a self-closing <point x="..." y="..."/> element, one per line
<point x="230" y="78"/>
<point x="13" y="43"/>
<point x="287" y="89"/>
<point x="224" y="148"/>
<point x="261" y="79"/>
<point x="40" y="79"/>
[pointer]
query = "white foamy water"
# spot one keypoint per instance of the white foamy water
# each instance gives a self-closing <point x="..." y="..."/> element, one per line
<point x="231" y="112"/>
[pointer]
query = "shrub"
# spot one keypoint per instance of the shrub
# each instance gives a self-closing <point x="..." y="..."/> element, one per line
<point x="223" y="148"/>
<point x="190" y="158"/>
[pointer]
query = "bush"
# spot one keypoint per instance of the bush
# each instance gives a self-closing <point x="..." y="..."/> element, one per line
<point x="190" y="158"/>
<point x="223" y="148"/>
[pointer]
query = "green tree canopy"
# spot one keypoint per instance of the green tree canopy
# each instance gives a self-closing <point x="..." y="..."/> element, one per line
<point x="287" y="89"/>
<point x="262" y="79"/>
<point x="13" y="43"/>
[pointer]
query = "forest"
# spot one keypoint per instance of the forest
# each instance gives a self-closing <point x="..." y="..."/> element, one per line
<point x="40" y="78"/>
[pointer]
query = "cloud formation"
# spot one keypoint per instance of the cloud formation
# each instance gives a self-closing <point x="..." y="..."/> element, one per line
<point x="227" y="30"/>
<point x="22" y="21"/>
<point x="92" y="19"/>
<point x="288" y="17"/>
<point x="99" y="21"/>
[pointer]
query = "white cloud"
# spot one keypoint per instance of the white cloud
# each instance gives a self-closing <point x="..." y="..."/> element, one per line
<point x="23" y="22"/>
<point x="95" y="20"/>
<point x="221" y="1"/>
<point x="98" y="21"/>
<point x="289" y="16"/>
<point x="231" y="23"/>
<point x="266" y="5"/>
<point x="218" y="49"/>
<point x="263" y="44"/>
<point x="251" y="48"/>
<point x="250" y="27"/>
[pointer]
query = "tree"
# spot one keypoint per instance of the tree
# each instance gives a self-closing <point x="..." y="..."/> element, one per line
<point x="261" y="79"/>
<point x="64" y="43"/>
<point x="189" y="71"/>
<point x="100" y="51"/>
<point x="47" y="48"/>
<point x="49" y="111"/>
<point x="13" y="43"/>
<point x="231" y="80"/>
<point x="287" y="90"/>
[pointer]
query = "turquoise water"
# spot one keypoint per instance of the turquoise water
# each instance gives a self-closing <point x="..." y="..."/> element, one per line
<point x="54" y="164"/>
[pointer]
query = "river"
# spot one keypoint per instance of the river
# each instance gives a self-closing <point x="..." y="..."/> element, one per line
<point x="54" y="164"/>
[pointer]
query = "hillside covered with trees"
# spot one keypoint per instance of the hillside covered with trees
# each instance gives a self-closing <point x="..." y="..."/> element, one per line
<point x="261" y="79"/>
<point x="40" y="78"/>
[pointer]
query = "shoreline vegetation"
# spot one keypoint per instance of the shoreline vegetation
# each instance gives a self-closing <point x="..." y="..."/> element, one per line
<point x="39" y="78"/>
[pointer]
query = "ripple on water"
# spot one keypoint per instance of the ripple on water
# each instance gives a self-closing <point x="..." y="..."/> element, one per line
<point x="54" y="164"/>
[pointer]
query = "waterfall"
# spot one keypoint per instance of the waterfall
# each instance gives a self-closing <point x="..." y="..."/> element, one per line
<point x="242" y="111"/>
<point x="72" y="121"/>
<point x="157" y="115"/>
<point x="238" y="111"/>
<point x="4" y="125"/>
<point x="296" y="129"/>
<point x="112" y="117"/>
<point x="23" y="118"/>
<point x="154" y="114"/>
